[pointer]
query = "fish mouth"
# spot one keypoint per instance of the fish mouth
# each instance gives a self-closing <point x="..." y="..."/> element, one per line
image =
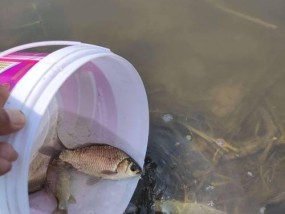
<point x="139" y="170"/>
<point x="135" y="167"/>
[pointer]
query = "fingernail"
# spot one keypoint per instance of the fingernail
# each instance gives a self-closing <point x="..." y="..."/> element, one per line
<point x="16" y="117"/>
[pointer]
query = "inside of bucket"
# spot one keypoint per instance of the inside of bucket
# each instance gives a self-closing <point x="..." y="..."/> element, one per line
<point x="94" y="105"/>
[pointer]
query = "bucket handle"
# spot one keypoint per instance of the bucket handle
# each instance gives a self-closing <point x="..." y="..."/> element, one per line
<point x="38" y="44"/>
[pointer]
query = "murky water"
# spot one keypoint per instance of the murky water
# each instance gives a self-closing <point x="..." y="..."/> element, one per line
<point x="214" y="73"/>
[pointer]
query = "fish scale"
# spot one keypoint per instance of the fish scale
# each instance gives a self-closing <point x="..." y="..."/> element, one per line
<point x="94" y="160"/>
<point x="58" y="183"/>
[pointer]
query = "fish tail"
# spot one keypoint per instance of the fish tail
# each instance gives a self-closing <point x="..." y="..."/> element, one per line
<point x="49" y="151"/>
<point x="58" y="211"/>
<point x="53" y="151"/>
<point x="62" y="205"/>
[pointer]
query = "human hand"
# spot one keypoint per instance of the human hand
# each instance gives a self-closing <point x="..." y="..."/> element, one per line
<point x="11" y="120"/>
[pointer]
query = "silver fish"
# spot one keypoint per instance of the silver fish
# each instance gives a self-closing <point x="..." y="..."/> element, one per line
<point x="58" y="183"/>
<point x="37" y="172"/>
<point x="102" y="161"/>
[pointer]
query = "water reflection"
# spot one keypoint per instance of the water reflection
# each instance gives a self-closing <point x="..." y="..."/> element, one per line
<point x="216" y="66"/>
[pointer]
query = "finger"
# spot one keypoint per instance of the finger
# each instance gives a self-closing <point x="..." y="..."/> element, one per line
<point x="4" y="94"/>
<point x="5" y="166"/>
<point x="10" y="120"/>
<point x="7" y="152"/>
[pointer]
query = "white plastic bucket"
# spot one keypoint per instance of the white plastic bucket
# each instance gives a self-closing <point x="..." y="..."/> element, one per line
<point x="88" y="94"/>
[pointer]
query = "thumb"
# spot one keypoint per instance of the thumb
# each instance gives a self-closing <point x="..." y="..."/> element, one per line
<point x="11" y="120"/>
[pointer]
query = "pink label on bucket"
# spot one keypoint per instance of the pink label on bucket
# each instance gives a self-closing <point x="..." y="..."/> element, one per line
<point x="14" y="66"/>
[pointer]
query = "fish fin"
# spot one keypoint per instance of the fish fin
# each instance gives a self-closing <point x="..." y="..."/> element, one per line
<point x="47" y="188"/>
<point x="86" y="145"/>
<point x="91" y="144"/>
<point x="49" y="151"/>
<point x="92" y="180"/>
<point x="64" y="164"/>
<point x="72" y="200"/>
<point x="108" y="172"/>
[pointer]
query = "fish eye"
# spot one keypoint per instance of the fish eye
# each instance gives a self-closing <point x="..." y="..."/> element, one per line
<point x="134" y="168"/>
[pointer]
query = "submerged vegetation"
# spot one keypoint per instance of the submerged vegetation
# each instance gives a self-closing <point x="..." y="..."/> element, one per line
<point x="195" y="160"/>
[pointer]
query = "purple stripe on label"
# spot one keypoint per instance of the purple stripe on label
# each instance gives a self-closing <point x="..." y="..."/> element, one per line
<point x="14" y="66"/>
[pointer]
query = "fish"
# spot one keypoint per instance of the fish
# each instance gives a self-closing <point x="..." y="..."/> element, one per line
<point x="101" y="161"/>
<point x="58" y="184"/>
<point x="40" y="161"/>
<point x="37" y="172"/>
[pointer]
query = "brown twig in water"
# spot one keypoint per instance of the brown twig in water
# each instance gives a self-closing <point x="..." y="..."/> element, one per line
<point x="186" y="196"/>
<point x="275" y="119"/>
<point x="216" y="157"/>
<point x="244" y="16"/>
<point x="30" y="24"/>
<point x="257" y="144"/>
<point x="278" y="198"/>
<point x="221" y="183"/>
<point x="203" y="179"/>
<point x="220" y="143"/>
<point x="263" y="157"/>
<point x="257" y="128"/>
<point x="40" y="19"/>
<point x="262" y="177"/>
